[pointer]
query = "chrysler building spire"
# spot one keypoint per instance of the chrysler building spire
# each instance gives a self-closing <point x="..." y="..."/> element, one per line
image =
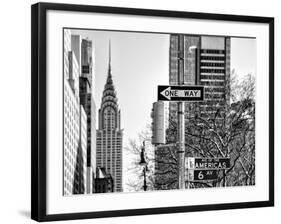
<point x="109" y="58"/>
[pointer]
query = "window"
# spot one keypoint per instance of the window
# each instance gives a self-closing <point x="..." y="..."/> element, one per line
<point x="109" y="118"/>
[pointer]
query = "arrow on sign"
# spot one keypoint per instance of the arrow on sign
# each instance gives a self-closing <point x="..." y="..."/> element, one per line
<point x="168" y="93"/>
<point x="180" y="93"/>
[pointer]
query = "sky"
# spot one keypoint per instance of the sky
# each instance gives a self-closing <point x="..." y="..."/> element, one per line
<point x="243" y="56"/>
<point x="139" y="63"/>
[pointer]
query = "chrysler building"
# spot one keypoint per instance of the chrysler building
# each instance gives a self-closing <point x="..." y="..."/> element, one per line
<point x="109" y="133"/>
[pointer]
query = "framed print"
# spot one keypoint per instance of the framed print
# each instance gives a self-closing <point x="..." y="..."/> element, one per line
<point x="138" y="111"/>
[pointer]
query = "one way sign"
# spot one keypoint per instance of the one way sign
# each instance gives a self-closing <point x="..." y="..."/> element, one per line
<point x="181" y="93"/>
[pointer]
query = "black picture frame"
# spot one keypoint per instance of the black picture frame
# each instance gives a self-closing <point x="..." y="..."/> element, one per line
<point x="39" y="108"/>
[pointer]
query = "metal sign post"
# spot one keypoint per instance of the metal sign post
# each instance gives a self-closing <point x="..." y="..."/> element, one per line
<point x="181" y="125"/>
<point x="181" y="93"/>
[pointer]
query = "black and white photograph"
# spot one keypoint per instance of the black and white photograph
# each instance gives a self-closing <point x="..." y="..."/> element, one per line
<point x="141" y="111"/>
<point x="147" y="111"/>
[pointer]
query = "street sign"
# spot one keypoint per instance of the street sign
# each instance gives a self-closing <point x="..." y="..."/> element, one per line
<point x="181" y="93"/>
<point x="202" y="175"/>
<point x="207" y="163"/>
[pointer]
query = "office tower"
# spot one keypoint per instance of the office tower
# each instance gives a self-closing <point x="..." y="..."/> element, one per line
<point x="87" y="101"/>
<point x="205" y="61"/>
<point x="109" y="133"/>
<point x="79" y="116"/>
<point x="86" y="59"/>
<point x="71" y="116"/>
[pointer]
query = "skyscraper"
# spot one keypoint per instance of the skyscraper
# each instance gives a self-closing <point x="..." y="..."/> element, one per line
<point x="109" y="133"/>
<point x="205" y="61"/>
<point x="79" y="116"/>
<point x="87" y="101"/>
<point x="74" y="146"/>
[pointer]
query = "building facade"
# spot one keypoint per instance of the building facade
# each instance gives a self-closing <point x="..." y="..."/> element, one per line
<point x="109" y="133"/>
<point x="71" y="116"/>
<point x="200" y="60"/>
<point x="103" y="181"/>
<point x="81" y="157"/>
<point x="207" y="63"/>
<point x="76" y="44"/>
<point x="87" y="101"/>
<point x="87" y="59"/>
<point x="79" y="116"/>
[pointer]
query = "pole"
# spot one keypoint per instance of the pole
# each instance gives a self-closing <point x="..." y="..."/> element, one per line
<point x="144" y="179"/>
<point x="181" y="125"/>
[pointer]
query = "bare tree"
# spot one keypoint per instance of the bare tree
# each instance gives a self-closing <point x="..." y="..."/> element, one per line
<point x="227" y="131"/>
<point x="135" y="179"/>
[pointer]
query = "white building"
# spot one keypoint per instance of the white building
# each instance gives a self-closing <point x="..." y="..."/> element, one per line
<point x="76" y="41"/>
<point x="71" y="136"/>
<point x="73" y="77"/>
<point x="160" y="122"/>
<point x="71" y="114"/>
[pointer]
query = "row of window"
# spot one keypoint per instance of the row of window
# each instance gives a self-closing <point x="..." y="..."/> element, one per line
<point x="212" y="77"/>
<point x="211" y="64"/>
<point x="101" y="153"/>
<point x="109" y="140"/>
<point x="212" y="83"/>
<point x="109" y="161"/>
<point x="108" y="135"/>
<point x="109" y="148"/>
<point x="212" y="58"/>
<point x="209" y="70"/>
<point x="212" y="51"/>
<point x="109" y="143"/>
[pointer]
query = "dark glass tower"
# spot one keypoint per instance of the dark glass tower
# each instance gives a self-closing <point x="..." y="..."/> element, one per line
<point x="86" y="84"/>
